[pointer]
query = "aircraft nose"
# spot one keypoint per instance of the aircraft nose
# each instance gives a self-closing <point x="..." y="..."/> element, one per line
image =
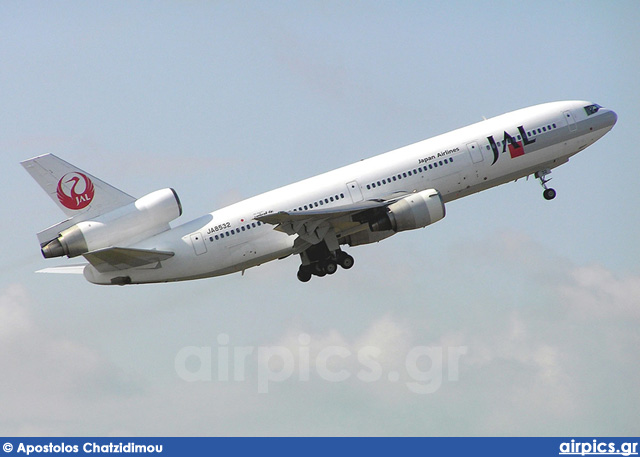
<point x="609" y="118"/>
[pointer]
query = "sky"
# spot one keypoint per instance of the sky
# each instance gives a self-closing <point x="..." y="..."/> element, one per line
<point x="511" y="316"/>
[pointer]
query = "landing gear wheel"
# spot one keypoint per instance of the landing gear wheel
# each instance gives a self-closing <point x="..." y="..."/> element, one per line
<point x="549" y="194"/>
<point x="304" y="274"/>
<point x="329" y="267"/>
<point x="318" y="270"/>
<point x="346" y="261"/>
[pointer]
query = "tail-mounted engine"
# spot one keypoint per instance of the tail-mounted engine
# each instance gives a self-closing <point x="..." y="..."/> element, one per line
<point x="147" y="216"/>
<point x="412" y="212"/>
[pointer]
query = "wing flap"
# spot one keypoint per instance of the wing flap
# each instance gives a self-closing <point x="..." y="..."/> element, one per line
<point x="114" y="259"/>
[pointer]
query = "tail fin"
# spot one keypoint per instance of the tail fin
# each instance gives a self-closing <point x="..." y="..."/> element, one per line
<point x="77" y="193"/>
<point x="73" y="190"/>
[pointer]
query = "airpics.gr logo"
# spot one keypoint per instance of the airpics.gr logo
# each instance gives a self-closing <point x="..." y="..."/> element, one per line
<point x="75" y="191"/>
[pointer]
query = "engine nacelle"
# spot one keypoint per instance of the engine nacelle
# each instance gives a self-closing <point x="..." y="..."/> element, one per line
<point x="412" y="212"/>
<point x="147" y="216"/>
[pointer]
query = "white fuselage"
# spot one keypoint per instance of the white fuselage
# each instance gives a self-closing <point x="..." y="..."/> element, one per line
<point x="457" y="164"/>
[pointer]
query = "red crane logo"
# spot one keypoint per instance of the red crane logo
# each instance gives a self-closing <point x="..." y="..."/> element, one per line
<point x="75" y="191"/>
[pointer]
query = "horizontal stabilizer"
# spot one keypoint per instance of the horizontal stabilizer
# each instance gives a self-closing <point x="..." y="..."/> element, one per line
<point x="65" y="269"/>
<point x="114" y="259"/>
<point x="48" y="234"/>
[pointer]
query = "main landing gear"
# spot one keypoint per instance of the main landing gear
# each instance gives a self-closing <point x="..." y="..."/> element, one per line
<point x="324" y="266"/>
<point x="549" y="193"/>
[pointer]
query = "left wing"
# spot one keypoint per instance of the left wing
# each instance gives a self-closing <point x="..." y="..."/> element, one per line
<point x="313" y="226"/>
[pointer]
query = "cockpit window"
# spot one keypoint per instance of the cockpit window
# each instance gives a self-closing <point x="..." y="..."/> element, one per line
<point x="592" y="109"/>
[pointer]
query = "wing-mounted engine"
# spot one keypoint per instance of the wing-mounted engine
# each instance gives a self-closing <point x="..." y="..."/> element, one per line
<point x="411" y="212"/>
<point x="145" y="217"/>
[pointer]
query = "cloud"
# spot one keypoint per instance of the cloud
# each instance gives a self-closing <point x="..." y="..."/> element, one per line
<point x="521" y="376"/>
<point x="47" y="379"/>
<point x="14" y="318"/>
<point x="559" y="357"/>
<point x="595" y="292"/>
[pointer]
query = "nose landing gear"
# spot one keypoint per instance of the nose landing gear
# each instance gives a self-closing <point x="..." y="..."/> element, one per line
<point x="549" y="193"/>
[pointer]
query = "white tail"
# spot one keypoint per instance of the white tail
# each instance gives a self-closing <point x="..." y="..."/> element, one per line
<point x="74" y="191"/>
<point x="102" y="218"/>
<point x="77" y="193"/>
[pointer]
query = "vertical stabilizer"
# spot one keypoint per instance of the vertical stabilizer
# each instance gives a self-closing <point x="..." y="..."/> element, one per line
<point x="74" y="191"/>
<point x="77" y="193"/>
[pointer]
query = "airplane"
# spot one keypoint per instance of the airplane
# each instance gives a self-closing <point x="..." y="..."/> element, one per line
<point x="130" y="241"/>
